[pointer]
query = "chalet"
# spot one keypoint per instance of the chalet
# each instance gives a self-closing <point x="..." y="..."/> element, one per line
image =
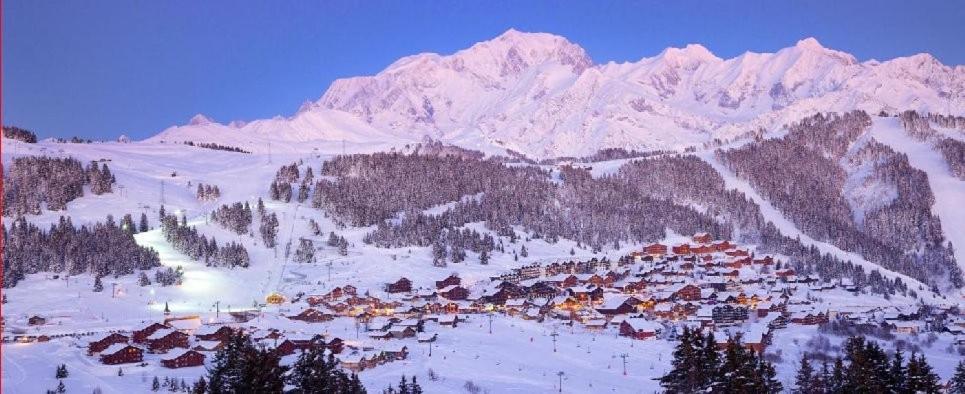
<point x="403" y="285"/>
<point x="105" y="342"/>
<point x="454" y="292"/>
<point x="702" y="249"/>
<point x="639" y="328"/>
<point x="785" y="274"/>
<point x="907" y="327"/>
<point x="729" y="314"/>
<point x="689" y="292"/>
<point x="722" y="246"/>
<point x="767" y="260"/>
<point x="595" y="324"/>
<point x="213" y="333"/>
<point x="312" y="315"/>
<point x="163" y="340"/>
<point x="702" y="238"/>
<point x="618" y="305"/>
<point x="291" y="345"/>
<point x="140" y="336"/>
<point x="402" y="332"/>
<point x="396" y="352"/>
<point x="426" y="337"/>
<point x="36" y="321"/>
<point x="683" y="248"/>
<point x="543" y="290"/>
<point x="354" y="362"/>
<point x="121" y="353"/>
<point x="449" y="320"/>
<point x="380" y="335"/>
<point x="655" y="249"/>
<point x="183" y="358"/>
<point x="452" y="280"/>
<point x="208" y="346"/>
<point x="586" y="293"/>
<point x="809" y="318"/>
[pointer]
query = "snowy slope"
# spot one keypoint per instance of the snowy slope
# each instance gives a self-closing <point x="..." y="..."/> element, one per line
<point x="542" y="95"/>
<point x="949" y="191"/>
<point x="788" y="229"/>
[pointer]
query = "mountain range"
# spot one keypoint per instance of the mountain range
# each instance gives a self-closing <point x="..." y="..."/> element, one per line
<point x="542" y="95"/>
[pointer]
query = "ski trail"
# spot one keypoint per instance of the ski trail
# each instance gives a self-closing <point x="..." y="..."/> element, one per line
<point x="949" y="191"/>
<point x="789" y="229"/>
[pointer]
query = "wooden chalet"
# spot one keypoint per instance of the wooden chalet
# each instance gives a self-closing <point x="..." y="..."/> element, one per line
<point x="106" y="342"/>
<point x="639" y="328"/>
<point x="688" y="292"/>
<point x="403" y="285"/>
<point x="618" y="305"/>
<point x="312" y="315"/>
<point x="454" y="292"/>
<point x="702" y="238"/>
<point x="683" y="248"/>
<point x="655" y="249"/>
<point x="452" y="280"/>
<point x="183" y="358"/>
<point x="121" y="353"/>
<point x="140" y="336"/>
<point x="163" y="340"/>
<point x="214" y="333"/>
<point x="36" y="321"/>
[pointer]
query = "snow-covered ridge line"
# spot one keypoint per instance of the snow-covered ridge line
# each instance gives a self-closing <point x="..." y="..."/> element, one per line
<point x="542" y="95"/>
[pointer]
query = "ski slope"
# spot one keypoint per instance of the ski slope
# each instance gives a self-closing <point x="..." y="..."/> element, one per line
<point x="789" y="229"/>
<point x="949" y="191"/>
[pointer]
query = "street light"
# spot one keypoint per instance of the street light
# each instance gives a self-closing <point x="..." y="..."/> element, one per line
<point x="560" y="374"/>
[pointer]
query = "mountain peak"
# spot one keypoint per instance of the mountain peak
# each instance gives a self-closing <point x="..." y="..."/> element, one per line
<point x="689" y="55"/>
<point x="809" y="43"/>
<point x="518" y="50"/>
<point x="200" y="119"/>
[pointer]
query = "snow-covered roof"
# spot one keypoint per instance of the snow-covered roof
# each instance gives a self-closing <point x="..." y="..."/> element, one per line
<point x="114" y="348"/>
<point x="175" y="353"/>
<point x="161" y="333"/>
<point x="642" y="324"/>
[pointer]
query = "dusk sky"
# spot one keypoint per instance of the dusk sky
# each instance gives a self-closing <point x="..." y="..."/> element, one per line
<point x="99" y="69"/>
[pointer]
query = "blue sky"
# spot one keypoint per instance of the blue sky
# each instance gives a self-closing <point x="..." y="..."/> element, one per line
<point x="102" y="68"/>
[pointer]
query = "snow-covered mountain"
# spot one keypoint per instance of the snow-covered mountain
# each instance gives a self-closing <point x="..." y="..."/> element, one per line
<point x="542" y="95"/>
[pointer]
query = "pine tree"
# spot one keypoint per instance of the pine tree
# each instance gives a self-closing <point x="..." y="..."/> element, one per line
<point x="897" y="373"/>
<point x="680" y="378"/>
<point x="143" y="280"/>
<point x="484" y="257"/>
<point x="200" y="387"/>
<point x="98" y="286"/>
<point x="804" y="380"/>
<point x="143" y="226"/>
<point x="61" y="388"/>
<point x="957" y="384"/>
<point x="62" y="371"/>
<point x="155" y="384"/>
<point x="921" y="378"/>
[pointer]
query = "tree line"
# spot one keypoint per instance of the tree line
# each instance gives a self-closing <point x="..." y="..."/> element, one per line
<point x="867" y="368"/>
<point x="52" y="181"/>
<point x="101" y="249"/>
<point x="199" y="247"/>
